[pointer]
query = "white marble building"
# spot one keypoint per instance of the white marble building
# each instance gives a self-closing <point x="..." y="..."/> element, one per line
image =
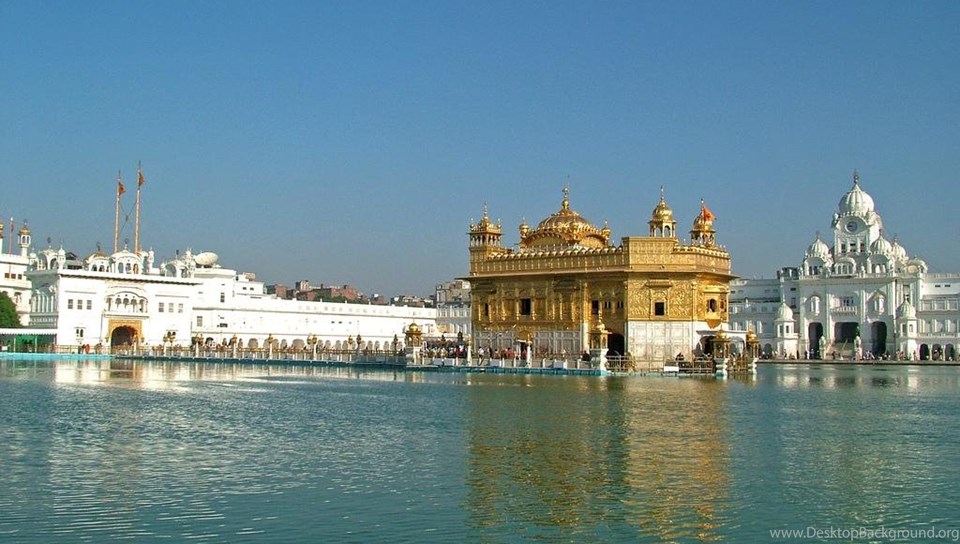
<point x="856" y="294"/>
<point x="13" y="268"/>
<point x="125" y="299"/>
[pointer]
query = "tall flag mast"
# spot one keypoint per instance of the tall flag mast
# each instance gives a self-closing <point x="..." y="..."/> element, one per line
<point x="116" y="220"/>
<point x="136" y="232"/>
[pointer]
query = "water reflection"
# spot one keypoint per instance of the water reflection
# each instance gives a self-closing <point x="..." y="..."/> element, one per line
<point x="851" y="376"/>
<point x="98" y="450"/>
<point x="599" y="458"/>
<point x="172" y="375"/>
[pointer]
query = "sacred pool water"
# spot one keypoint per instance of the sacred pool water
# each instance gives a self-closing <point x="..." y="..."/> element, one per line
<point x="99" y="450"/>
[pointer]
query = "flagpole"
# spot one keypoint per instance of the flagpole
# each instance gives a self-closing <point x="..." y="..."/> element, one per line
<point x="136" y="232"/>
<point x="116" y="219"/>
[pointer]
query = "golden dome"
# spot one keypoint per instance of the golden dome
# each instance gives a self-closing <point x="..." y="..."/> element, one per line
<point x="24" y="230"/>
<point x="662" y="213"/>
<point x="704" y="221"/>
<point x="564" y="227"/>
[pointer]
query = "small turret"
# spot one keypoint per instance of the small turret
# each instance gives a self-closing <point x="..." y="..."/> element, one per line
<point x="702" y="233"/>
<point x="25" y="240"/>
<point x="661" y="222"/>
<point x="485" y="235"/>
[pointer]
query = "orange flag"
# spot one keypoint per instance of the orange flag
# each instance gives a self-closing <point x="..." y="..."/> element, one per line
<point x="140" y="180"/>
<point x="120" y="189"/>
<point x="707" y="214"/>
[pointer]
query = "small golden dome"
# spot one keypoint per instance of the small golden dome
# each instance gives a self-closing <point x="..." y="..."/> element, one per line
<point x="24" y="230"/>
<point x="524" y="228"/>
<point x="662" y="213"/>
<point x="704" y="221"/>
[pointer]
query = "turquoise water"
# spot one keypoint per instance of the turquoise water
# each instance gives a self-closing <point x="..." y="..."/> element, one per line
<point x="94" y="451"/>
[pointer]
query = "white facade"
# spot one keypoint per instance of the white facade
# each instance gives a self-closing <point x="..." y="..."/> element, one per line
<point x="123" y="299"/>
<point x="13" y="268"/>
<point x="860" y="296"/>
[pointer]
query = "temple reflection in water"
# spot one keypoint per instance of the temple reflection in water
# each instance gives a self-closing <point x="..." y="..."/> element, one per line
<point x="570" y="463"/>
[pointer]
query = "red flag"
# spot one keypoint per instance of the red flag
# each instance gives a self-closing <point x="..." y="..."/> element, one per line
<point x="707" y="214"/>
<point x="120" y="189"/>
<point x="140" y="180"/>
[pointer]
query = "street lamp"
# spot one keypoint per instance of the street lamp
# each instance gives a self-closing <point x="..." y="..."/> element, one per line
<point x="312" y="342"/>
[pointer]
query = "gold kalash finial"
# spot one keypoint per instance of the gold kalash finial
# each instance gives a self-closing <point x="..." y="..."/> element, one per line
<point x="565" y="205"/>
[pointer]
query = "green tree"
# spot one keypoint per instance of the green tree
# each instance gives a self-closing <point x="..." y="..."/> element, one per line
<point x="8" y="313"/>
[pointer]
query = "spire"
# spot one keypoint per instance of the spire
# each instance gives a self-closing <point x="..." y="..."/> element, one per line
<point x="856" y="177"/>
<point x="136" y="221"/>
<point x="116" y="218"/>
<point x="566" y="198"/>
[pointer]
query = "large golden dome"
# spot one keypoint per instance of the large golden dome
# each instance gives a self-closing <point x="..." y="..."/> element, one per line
<point x="565" y="227"/>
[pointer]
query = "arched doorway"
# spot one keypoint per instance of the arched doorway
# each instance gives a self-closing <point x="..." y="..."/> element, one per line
<point x="615" y="344"/>
<point x="815" y="333"/>
<point x="924" y="352"/>
<point x="123" y="336"/>
<point x="845" y="332"/>
<point x="878" y="331"/>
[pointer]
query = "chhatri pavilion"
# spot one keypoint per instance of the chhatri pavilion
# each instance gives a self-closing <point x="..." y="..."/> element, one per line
<point x="567" y="288"/>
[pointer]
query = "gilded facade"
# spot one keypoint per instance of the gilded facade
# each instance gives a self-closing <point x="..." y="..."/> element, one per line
<point x="566" y="288"/>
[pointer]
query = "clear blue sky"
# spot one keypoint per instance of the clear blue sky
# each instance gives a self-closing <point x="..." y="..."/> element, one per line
<point x="353" y="142"/>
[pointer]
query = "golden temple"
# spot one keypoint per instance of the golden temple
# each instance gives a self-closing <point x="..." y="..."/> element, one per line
<point x="566" y="289"/>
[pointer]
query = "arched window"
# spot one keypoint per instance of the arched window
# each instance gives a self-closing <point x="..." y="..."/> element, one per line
<point x="879" y="303"/>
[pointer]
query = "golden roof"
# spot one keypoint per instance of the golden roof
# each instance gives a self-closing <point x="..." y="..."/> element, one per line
<point x="485" y="224"/>
<point x="565" y="227"/>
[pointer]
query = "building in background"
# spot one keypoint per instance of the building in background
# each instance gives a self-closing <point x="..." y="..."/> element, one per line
<point x="856" y="294"/>
<point x="14" y="260"/>
<point x="452" y="301"/>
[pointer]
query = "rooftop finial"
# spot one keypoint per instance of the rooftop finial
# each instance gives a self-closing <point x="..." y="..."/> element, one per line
<point x="566" y="197"/>
<point x="856" y="177"/>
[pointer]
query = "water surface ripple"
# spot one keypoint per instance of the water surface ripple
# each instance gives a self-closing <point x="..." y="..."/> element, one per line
<point x="104" y="451"/>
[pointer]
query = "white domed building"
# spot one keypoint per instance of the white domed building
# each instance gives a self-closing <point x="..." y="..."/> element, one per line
<point x="861" y="297"/>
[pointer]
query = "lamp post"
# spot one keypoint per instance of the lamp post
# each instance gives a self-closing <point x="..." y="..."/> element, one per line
<point x="312" y="342"/>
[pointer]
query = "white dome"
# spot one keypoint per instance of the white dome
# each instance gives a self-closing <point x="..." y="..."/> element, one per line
<point x="856" y="201"/>
<point x="206" y="259"/>
<point x="881" y="247"/>
<point x="818" y="248"/>
<point x="906" y="310"/>
<point x="917" y="264"/>
<point x="897" y="250"/>
<point x="784" y="313"/>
